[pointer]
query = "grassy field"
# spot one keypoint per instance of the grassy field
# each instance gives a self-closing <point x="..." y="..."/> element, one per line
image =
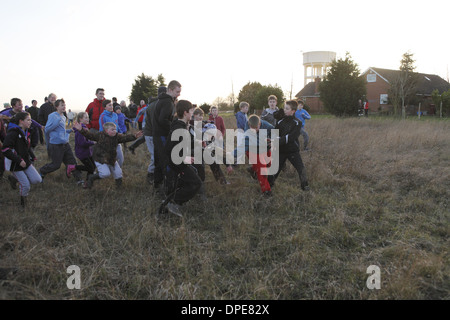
<point x="379" y="195"/>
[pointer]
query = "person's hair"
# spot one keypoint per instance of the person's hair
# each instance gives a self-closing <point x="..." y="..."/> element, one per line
<point x="214" y="107"/>
<point x="300" y="102"/>
<point x="198" y="110"/>
<point x="19" y="116"/>
<point x="51" y="94"/>
<point x="80" y="116"/>
<point x="272" y="97"/>
<point x="105" y="102"/>
<point x="114" y="99"/>
<point x="98" y="90"/>
<point x="33" y="101"/>
<point x="183" y="106"/>
<point x="243" y="104"/>
<point x="109" y="125"/>
<point x="253" y="121"/>
<point x="173" y="84"/>
<point x="14" y="101"/>
<point x="293" y="104"/>
<point x="58" y="102"/>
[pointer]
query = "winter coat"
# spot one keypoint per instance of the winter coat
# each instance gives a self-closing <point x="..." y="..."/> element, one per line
<point x="163" y="116"/>
<point x="219" y="123"/>
<point x="149" y="114"/>
<point x="121" y="118"/>
<point x="56" y="129"/>
<point x="20" y="141"/>
<point x="302" y="115"/>
<point x="109" y="116"/>
<point x="83" y="148"/>
<point x="289" y="130"/>
<point x="105" y="150"/>
<point x="241" y="120"/>
<point x="44" y="111"/>
<point x="94" y="110"/>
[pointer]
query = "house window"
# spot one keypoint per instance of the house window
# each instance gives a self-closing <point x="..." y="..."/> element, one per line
<point x="371" y="77"/>
<point x="383" y="98"/>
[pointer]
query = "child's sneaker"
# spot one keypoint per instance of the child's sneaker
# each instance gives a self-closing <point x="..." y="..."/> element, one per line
<point x="174" y="208"/>
<point x="69" y="170"/>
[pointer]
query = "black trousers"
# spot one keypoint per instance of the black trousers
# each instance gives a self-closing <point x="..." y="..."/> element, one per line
<point x="88" y="165"/>
<point x="296" y="160"/>
<point x="60" y="153"/>
<point x="188" y="185"/>
<point x="161" y="160"/>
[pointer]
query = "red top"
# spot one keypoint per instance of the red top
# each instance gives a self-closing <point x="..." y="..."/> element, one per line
<point x="94" y="109"/>
<point x="141" y="118"/>
<point x="218" y="122"/>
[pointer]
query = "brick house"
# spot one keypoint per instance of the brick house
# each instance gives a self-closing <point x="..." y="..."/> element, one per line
<point x="379" y="82"/>
<point x="311" y="96"/>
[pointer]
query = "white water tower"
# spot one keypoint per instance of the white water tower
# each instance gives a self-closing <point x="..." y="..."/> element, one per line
<point x="316" y="64"/>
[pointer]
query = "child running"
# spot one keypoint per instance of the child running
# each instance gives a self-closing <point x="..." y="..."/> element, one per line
<point x="105" y="151"/>
<point x="17" y="148"/>
<point x="83" y="146"/>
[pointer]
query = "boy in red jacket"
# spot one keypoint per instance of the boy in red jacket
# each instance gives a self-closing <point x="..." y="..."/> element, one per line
<point x="95" y="109"/>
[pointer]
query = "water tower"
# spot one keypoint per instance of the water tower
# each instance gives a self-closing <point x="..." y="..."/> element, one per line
<point x="316" y="64"/>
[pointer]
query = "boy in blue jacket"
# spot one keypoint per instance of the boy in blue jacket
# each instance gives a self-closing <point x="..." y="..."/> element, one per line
<point x="108" y="115"/>
<point x="302" y="115"/>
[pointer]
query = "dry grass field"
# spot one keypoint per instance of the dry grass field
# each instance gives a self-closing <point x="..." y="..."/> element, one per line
<point x="380" y="193"/>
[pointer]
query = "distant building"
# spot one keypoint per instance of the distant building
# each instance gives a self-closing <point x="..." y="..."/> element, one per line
<point x="379" y="82"/>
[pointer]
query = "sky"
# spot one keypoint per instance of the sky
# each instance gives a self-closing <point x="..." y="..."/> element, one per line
<point x="72" y="47"/>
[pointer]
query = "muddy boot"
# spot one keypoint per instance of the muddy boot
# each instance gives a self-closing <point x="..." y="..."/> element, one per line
<point x="90" y="181"/>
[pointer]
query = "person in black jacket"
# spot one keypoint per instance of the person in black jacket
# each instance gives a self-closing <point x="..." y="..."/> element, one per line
<point x="161" y="120"/>
<point x="17" y="148"/>
<point x="289" y="148"/>
<point x="189" y="182"/>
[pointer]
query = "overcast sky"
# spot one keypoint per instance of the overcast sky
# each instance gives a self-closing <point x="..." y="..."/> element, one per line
<point x="73" y="47"/>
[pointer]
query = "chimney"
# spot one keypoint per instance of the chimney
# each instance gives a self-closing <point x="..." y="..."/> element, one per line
<point x="316" y="87"/>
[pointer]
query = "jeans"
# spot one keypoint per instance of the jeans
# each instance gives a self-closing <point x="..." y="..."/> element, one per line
<point x="151" y="149"/>
<point x="26" y="178"/>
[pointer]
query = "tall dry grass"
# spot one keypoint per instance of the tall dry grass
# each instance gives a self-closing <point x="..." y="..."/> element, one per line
<point x="379" y="196"/>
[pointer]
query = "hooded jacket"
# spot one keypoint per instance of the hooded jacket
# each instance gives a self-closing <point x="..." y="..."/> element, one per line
<point x="94" y="110"/>
<point x="20" y="141"/>
<point x="56" y="129"/>
<point x="176" y="124"/>
<point x="289" y="127"/>
<point x="82" y="145"/>
<point x="109" y="116"/>
<point x="163" y="116"/>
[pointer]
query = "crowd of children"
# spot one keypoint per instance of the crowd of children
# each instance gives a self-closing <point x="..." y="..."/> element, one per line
<point x="167" y="123"/>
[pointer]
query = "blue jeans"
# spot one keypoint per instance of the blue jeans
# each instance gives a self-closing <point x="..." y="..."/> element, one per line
<point x="151" y="149"/>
